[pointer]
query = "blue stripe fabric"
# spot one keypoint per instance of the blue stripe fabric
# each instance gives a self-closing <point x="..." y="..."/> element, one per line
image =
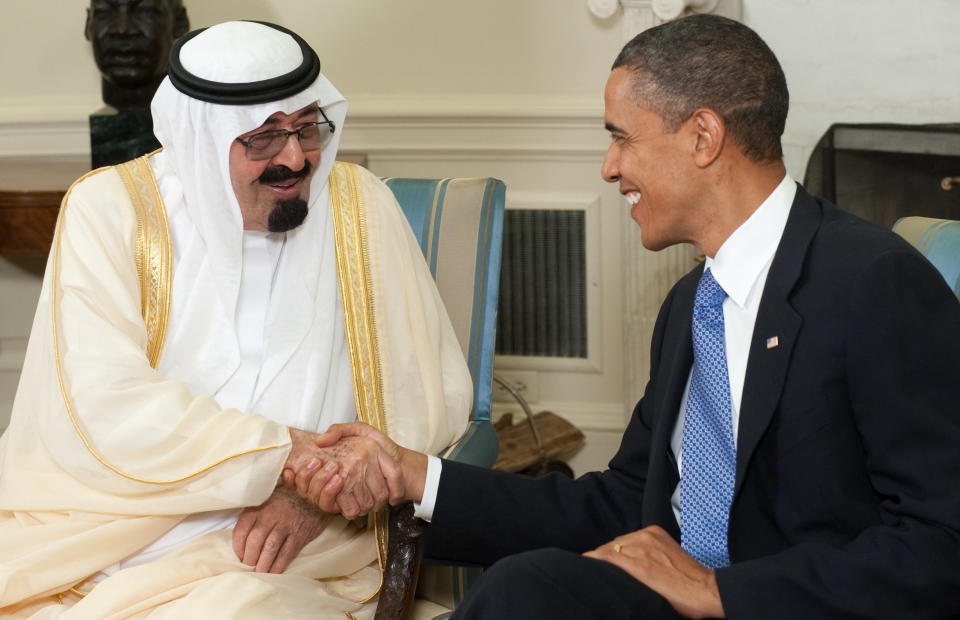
<point x="943" y="250"/>
<point x="437" y="217"/>
<point x="939" y="242"/>
<point x="486" y="295"/>
<point x="479" y="282"/>
<point x="422" y="202"/>
<point x="416" y="200"/>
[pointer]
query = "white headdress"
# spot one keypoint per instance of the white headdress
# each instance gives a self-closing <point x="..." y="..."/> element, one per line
<point x="225" y="81"/>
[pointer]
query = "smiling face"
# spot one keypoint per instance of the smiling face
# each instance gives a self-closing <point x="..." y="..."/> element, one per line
<point x="653" y="166"/>
<point x="272" y="192"/>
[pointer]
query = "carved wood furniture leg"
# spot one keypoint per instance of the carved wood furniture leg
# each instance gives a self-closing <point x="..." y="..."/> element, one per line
<point x="403" y="564"/>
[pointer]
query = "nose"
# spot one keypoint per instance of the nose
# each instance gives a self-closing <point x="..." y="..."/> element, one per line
<point x="292" y="155"/>
<point x="610" y="168"/>
<point x="123" y="22"/>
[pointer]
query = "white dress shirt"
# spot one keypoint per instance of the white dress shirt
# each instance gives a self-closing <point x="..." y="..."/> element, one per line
<point x="740" y="267"/>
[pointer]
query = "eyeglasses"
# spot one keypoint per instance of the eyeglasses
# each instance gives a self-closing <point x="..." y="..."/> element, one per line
<point x="266" y="144"/>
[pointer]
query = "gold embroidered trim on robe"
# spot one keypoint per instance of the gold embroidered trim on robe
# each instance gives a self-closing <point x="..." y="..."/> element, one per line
<point x="154" y="266"/>
<point x="356" y="291"/>
<point x="154" y="252"/>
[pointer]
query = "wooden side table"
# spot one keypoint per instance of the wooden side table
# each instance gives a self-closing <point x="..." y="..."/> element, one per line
<point x="30" y="195"/>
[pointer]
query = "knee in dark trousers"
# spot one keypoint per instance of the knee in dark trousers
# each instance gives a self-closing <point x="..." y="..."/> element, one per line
<point x="554" y="584"/>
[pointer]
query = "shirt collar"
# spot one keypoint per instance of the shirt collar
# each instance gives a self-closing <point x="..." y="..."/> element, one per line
<point x="743" y="256"/>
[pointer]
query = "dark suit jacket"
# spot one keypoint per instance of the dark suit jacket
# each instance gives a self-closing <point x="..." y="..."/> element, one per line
<point x="847" y="497"/>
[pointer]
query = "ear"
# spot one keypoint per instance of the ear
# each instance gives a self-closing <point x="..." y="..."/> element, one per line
<point x="710" y="135"/>
<point x="88" y="26"/>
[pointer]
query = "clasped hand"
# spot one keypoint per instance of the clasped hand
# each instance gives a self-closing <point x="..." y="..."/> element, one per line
<point x="351" y="469"/>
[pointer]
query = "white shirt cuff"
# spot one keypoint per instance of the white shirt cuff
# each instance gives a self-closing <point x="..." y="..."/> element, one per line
<point x="424" y="509"/>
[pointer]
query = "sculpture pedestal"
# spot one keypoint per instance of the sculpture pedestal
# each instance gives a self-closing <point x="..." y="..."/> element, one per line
<point x="119" y="136"/>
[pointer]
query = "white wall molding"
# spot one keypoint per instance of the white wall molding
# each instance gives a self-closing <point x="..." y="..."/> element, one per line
<point x="479" y="106"/>
<point x="472" y="127"/>
<point x="400" y="126"/>
<point x="529" y="138"/>
<point x="44" y="138"/>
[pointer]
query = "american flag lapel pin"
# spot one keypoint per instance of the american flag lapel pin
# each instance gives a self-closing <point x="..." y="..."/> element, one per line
<point x="773" y="342"/>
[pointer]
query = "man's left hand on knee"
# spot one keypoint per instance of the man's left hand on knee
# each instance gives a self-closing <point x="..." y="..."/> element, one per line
<point x="654" y="558"/>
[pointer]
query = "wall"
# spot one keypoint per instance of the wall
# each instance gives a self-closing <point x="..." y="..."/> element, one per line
<point x="860" y="61"/>
<point x="375" y="52"/>
<point x="501" y="87"/>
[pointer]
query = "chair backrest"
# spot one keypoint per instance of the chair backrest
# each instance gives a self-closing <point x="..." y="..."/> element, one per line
<point x="459" y="225"/>
<point x="939" y="241"/>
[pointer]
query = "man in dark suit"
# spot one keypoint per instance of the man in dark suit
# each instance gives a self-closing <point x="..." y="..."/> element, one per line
<point x="795" y="454"/>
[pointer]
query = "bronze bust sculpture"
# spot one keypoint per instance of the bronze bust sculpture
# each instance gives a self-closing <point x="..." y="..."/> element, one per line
<point x="131" y="45"/>
<point x="131" y="42"/>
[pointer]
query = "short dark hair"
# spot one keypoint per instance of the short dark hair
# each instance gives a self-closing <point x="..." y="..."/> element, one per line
<point x="708" y="61"/>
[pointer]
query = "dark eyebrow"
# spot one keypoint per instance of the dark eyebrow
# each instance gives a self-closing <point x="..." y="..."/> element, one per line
<point x="613" y="128"/>
<point x="311" y="110"/>
<point x="270" y="121"/>
<point x="273" y="120"/>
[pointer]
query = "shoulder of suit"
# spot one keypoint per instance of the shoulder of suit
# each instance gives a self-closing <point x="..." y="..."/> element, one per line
<point x="852" y="234"/>
<point x="846" y="248"/>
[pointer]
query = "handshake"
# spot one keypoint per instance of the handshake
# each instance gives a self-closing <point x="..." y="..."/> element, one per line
<point x="351" y="470"/>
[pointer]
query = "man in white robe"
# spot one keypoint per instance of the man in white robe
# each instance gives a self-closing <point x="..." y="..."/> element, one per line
<point x="206" y="311"/>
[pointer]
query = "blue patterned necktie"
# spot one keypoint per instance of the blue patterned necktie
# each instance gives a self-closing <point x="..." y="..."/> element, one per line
<point x="709" y="452"/>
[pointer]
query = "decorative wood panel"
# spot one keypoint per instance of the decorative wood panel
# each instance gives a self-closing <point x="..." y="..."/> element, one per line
<point x="27" y="220"/>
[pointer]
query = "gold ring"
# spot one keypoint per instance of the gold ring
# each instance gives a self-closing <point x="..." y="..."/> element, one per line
<point x="617" y="547"/>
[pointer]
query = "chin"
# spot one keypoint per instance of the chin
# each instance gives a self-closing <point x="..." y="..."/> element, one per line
<point x="287" y="215"/>
<point x="128" y="77"/>
<point x="651" y="241"/>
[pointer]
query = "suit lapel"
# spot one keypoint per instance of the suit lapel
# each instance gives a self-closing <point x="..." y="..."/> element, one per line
<point x="675" y="368"/>
<point x="767" y="365"/>
<point x="679" y="342"/>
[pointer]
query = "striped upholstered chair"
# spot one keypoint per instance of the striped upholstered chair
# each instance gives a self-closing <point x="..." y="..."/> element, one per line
<point x="459" y="225"/>
<point x="939" y="241"/>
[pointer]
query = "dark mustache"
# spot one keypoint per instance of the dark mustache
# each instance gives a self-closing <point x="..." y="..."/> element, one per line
<point x="279" y="174"/>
